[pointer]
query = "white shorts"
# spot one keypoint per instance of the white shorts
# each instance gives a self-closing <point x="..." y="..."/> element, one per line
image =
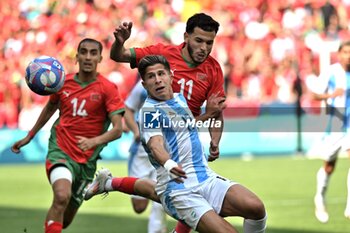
<point x="139" y="166"/>
<point x="331" y="144"/>
<point x="189" y="205"/>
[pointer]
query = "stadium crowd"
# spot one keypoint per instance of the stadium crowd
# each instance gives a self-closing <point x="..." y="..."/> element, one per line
<point x="264" y="46"/>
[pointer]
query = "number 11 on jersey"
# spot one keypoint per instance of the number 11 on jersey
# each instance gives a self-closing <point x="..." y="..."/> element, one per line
<point x="185" y="84"/>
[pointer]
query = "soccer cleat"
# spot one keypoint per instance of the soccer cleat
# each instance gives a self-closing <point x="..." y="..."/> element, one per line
<point x="320" y="209"/>
<point x="98" y="184"/>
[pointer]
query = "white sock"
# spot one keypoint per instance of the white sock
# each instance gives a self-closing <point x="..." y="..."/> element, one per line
<point x="254" y="226"/>
<point x="322" y="179"/>
<point x="156" y="221"/>
<point x="348" y="200"/>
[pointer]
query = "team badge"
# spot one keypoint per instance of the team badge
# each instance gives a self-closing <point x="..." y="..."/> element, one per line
<point x="201" y="76"/>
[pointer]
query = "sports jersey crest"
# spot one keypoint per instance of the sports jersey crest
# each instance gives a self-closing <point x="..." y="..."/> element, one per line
<point x="201" y="76"/>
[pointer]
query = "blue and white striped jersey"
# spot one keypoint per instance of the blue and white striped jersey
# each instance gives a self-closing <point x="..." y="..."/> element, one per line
<point x="336" y="77"/>
<point x="173" y="120"/>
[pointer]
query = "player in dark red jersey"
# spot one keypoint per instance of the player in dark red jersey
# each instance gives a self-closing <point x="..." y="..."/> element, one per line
<point x="87" y="103"/>
<point x="196" y="74"/>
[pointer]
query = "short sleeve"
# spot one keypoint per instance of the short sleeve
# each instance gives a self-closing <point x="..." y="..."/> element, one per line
<point x="149" y="128"/>
<point x="114" y="103"/>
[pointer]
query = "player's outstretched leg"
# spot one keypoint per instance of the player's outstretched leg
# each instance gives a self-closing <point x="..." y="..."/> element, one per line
<point x="104" y="183"/>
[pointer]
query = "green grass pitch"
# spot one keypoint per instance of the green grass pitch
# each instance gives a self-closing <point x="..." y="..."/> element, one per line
<point x="286" y="185"/>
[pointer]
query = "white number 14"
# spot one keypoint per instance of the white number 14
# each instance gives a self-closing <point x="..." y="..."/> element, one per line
<point x="79" y="111"/>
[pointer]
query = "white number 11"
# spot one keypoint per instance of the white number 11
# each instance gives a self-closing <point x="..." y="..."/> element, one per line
<point x="189" y="83"/>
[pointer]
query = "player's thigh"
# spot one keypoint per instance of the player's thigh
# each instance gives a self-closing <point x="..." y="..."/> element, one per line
<point x="185" y="205"/>
<point x="214" y="191"/>
<point x="239" y="201"/>
<point x="146" y="188"/>
<point x="211" y="222"/>
<point x="60" y="175"/>
<point x="83" y="175"/>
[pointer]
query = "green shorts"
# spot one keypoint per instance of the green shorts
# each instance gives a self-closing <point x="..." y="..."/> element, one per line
<point x="82" y="174"/>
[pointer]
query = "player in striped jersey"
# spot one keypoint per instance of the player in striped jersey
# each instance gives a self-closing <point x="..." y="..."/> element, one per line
<point x="188" y="189"/>
<point x="87" y="103"/>
<point x="333" y="85"/>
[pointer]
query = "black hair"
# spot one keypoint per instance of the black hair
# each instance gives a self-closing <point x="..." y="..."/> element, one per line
<point x="151" y="60"/>
<point x="100" y="47"/>
<point x="342" y="45"/>
<point x="203" y="21"/>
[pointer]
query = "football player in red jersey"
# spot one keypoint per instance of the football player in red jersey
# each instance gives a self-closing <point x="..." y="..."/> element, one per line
<point x="87" y="103"/>
<point x="196" y="74"/>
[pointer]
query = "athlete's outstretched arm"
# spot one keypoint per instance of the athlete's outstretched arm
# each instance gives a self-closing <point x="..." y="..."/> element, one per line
<point x="131" y="123"/>
<point x="157" y="148"/>
<point x="47" y="112"/>
<point x="118" y="52"/>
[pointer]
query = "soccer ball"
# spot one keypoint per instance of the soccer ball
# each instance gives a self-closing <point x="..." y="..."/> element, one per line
<point x="45" y="75"/>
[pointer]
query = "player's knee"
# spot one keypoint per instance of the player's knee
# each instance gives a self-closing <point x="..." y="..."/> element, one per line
<point x="139" y="206"/>
<point x="256" y="209"/>
<point x="61" y="198"/>
<point x="139" y="209"/>
<point x="329" y="169"/>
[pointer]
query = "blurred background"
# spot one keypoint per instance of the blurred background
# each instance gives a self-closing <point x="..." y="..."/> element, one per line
<point x="269" y="50"/>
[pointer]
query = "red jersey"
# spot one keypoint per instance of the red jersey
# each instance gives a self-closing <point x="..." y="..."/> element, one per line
<point x="84" y="109"/>
<point x="196" y="83"/>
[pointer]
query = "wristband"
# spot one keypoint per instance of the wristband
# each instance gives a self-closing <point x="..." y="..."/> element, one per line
<point x="31" y="134"/>
<point x="169" y="164"/>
